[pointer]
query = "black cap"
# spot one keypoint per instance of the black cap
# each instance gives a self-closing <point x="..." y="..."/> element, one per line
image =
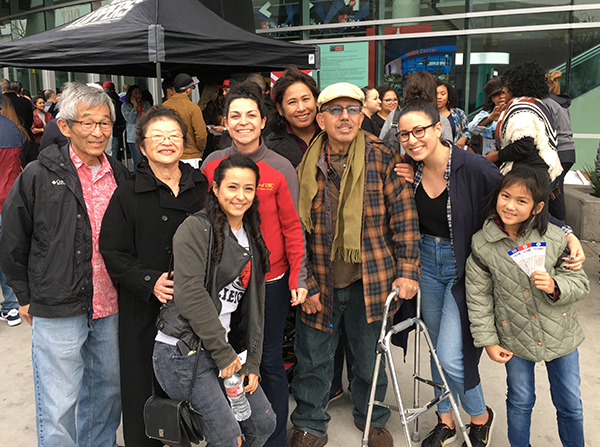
<point x="183" y="81"/>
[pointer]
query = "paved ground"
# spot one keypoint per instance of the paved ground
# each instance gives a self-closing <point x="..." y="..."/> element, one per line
<point x="17" y="411"/>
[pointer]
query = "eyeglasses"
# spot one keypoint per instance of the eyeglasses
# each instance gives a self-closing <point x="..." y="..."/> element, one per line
<point x="158" y="139"/>
<point x="418" y="132"/>
<point x="338" y="110"/>
<point x="391" y="100"/>
<point x="89" y="126"/>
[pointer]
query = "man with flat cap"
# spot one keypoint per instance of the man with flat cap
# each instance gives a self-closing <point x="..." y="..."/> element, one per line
<point x="362" y="237"/>
<point x="192" y="117"/>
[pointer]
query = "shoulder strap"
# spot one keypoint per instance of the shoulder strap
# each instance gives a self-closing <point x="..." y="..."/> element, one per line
<point x="479" y="263"/>
<point x="566" y="252"/>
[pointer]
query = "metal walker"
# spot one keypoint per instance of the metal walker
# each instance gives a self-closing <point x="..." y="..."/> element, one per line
<point x="407" y="415"/>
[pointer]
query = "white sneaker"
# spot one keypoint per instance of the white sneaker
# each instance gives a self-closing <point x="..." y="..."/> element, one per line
<point x="12" y="317"/>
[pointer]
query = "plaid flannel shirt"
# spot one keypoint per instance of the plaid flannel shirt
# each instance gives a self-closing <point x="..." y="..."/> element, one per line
<point x="390" y="236"/>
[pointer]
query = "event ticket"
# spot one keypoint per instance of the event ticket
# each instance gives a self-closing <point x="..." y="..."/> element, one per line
<point x="530" y="257"/>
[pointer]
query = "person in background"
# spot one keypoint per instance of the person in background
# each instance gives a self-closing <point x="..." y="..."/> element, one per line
<point x="11" y="143"/>
<point x="136" y="244"/>
<point x="227" y="85"/>
<point x="559" y="104"/>
<point x="292" y="120"/>
<point x="132" y="110"/>
<point x="49" y="254"/>
<point x="525" y="129"/>
<point x="192" y="117"/>
<point x="120" y="125"/>
<point x="40" y="119"/>
<point x="51" y="102"/>
<point x="447" y="103"/>
<point x="168" y="89"/>
<point x="484" y="123"/>
<point x="220" y="264"/>
<point x="208" y="105"/>
<point x="277" y="196"/>
<point x="372" y="106"/>
<point x="267" y="101"/>
<point x="389" y="103"/>
<point x="123" y="92"/>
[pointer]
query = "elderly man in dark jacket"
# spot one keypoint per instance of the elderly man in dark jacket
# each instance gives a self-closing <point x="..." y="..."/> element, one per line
<point x="49" y="252"/>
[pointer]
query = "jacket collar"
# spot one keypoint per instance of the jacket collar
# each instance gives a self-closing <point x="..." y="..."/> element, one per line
<point x="255" y="155"/>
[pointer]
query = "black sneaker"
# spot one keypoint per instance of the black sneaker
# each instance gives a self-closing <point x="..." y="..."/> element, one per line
<point x="441" y="435"/>
<point x="480" y="435"/>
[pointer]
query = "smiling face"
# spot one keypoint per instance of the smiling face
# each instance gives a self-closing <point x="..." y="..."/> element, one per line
<point x="341" y="129"/>
<point x="442" y="97"/>
<point x="244" y="124"/>
<point x="236" y="193"/>
<point x="298" y="106"/>
<point x="389" y="102"/>
<point x="372" y="102"/>
<point x="515" y="205"/>
<point x="420" y="149"/>
<point x="88" y="145"/>
<point x="39" y="104"/>
<point x="167" y="152"/>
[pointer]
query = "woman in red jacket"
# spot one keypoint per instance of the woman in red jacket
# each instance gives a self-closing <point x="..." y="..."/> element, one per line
<point x="277" y="194"/>
<point x="40" y="118"/>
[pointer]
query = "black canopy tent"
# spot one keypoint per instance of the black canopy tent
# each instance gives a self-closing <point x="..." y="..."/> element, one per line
<point x="152" y="38"/>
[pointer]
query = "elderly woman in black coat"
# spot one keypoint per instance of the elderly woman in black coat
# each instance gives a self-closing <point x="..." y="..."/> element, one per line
<point x="136" y="243"/>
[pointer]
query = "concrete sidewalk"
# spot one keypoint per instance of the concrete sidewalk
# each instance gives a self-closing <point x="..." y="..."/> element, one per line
<point x="17" y="409"/>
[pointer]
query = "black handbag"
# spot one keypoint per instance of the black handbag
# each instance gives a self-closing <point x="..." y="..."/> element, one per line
<point x="172" y="422"/>
<point x="175" y="422"/>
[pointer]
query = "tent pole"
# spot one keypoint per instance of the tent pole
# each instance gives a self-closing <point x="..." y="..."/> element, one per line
<point x="319" y="78"/>
<point x="158" y="83"/>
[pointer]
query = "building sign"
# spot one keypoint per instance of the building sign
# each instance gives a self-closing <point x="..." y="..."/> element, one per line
<point x="70" y="13"/>
<point x="345" y="63"/>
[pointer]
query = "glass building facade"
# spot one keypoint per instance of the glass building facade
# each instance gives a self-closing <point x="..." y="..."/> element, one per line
<point x="372" y="42"/>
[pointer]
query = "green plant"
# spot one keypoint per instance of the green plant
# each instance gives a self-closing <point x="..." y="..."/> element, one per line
<point x="594" y="180"/>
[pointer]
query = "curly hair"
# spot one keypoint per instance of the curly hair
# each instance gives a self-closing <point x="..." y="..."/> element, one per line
<point x="421" y="86"/>
<point x="251" y="219"/>
<point x="289" y="77"/>
<point x="526" y="79"/>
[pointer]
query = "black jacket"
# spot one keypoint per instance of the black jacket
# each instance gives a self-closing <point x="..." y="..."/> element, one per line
<point x="136" y="242"/>
<point x="46" y="244"/>
<point x="285" y="145"/>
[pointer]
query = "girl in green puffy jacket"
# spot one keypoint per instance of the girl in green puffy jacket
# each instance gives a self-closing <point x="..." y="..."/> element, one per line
<point x="521" y="305"/>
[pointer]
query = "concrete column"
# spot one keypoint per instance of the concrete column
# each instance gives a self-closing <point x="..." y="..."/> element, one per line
<point x="48" y="80"/>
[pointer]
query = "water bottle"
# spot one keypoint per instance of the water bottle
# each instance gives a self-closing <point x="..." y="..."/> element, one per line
<point x="237" y="396"/>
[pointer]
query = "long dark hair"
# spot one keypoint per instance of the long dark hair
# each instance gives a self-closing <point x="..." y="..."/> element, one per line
<point x="130" y="91"/>
<point x="251" y="217"/>
<point x="536" y="181"/>
<point x="452" y="95"/>
<point x="289" y="77"/>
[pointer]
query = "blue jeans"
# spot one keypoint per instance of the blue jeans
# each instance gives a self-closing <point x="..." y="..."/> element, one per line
<point x="342" y="351"/>
<point x="274" y="380"/>
<point x="10" y="299"/>
<point x="563" y="375"/>
<point x="442" y="318"/>
<point x="114" y="148"/>
<point x="136" y="155"/>
<point x="76" y="375"/>
<point x="313" y="374"/>
<point x="174" y="374"/>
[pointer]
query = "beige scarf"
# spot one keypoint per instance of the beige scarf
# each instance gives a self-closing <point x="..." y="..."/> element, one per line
<point x="347" y="239"/>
